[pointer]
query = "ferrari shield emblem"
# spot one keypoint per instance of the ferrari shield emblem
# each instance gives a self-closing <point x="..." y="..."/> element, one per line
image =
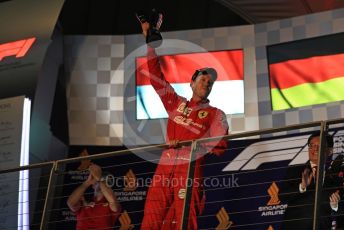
<point x="202" y="114"/>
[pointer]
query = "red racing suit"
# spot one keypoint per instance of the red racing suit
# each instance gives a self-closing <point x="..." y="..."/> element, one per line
<point x="187" y="120"/>
<point x="96" y="216"/>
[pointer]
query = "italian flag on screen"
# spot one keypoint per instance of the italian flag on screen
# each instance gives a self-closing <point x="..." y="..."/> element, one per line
<point x="227" y="93"/>
<point x="307" y="72"/>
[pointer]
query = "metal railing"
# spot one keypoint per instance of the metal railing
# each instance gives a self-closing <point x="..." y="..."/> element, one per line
<point x="55" y="165"/>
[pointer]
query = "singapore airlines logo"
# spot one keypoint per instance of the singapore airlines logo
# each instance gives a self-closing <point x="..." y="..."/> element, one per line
<point x="223" y="218"/>
<point x="273" y="192"/>
<point x="273" y="207"/>
<point x="17" y="48"/>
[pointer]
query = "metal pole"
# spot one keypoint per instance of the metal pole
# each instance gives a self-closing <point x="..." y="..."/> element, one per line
<point x="261" y="132"/>
<point x="26" y="167"/>
<point x="320" y="174"/>
<point x="183" y="143"/>
<point x="188" y="191"/>
<point x="186" y="143"/>
<point x="47" y="196"/>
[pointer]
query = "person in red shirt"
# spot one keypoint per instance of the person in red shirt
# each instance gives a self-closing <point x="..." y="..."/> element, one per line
<point x="103" y="212"/>
<point x="187" y="120"/>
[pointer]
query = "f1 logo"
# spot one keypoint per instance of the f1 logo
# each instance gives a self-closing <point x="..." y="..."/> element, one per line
<point x="17" y="48"/>
<point x="291" y="148"/>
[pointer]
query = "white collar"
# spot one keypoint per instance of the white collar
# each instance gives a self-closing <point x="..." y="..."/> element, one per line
<point x="313" y="165"/>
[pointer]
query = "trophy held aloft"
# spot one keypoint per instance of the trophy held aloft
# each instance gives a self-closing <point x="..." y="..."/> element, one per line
<point x="154" y="18"/>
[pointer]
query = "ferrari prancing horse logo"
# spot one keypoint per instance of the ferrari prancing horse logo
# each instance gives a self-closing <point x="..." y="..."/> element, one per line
<point x="202" y="114"/>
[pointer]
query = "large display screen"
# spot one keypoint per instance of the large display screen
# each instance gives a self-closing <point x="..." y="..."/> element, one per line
<point x="227" y="93"/>
<point x="307" y="72"/>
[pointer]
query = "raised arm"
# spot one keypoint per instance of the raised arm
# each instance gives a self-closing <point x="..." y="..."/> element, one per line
<point x="74" y="200"/>
<point x="110" y="197"/>
<point x="157" y="79"/>
<point x="96" y="172"/>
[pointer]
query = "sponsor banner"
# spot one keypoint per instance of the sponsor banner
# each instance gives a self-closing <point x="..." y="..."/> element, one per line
<point x="242" y="187"/>
<point x="257" y="168"/>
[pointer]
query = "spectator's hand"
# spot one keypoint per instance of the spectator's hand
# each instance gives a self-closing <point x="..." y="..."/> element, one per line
<point x="90" y="180"/>
<point x="334" y="199"/>
<point x="96" y="171"/>
<point x="307" y="176"/>
<point x="173" y="144"/>
<point x="125" y="222"/>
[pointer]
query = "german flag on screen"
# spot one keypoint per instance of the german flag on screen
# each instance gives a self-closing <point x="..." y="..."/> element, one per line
<point x="307" y="72"/>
